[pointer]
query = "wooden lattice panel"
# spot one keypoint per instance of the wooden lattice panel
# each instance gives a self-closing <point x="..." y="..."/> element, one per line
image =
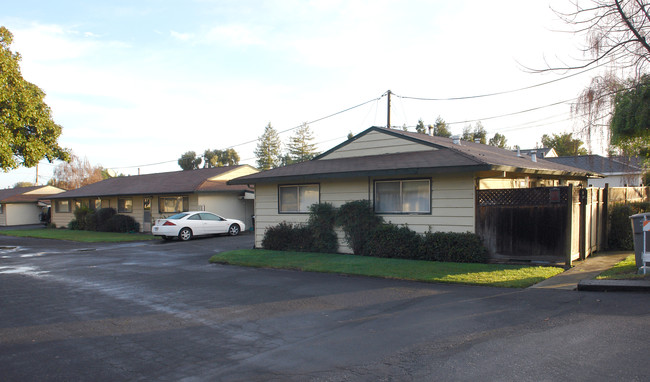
<point x="523" y="196"/>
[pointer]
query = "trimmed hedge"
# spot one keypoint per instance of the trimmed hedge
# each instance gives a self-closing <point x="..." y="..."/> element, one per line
<point x="104" y="220"/>
<point x="620" y="227"/>
<point x="368" y="236"/>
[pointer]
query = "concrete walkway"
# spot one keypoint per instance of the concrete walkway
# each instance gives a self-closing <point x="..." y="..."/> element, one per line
<point x="581" y="276"/>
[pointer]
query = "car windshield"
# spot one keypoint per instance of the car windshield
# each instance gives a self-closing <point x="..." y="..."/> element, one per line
<point x="178" y="216"/>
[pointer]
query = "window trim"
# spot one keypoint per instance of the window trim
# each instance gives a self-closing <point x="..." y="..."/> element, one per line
<point x="402" y="180"/>
<point x="120" y="210"/>
<point x="57" y="206"/>
<point x="184" y="207"/>
<point x="280" y="186"/>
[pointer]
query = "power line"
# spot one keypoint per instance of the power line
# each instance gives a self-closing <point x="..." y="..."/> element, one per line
<point x="497" y="93"/>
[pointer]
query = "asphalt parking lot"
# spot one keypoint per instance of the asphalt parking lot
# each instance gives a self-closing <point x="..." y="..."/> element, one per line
<point x="159" y="311"/>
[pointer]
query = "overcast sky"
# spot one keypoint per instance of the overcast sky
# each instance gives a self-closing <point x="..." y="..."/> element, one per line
<point x="138" y="83"/>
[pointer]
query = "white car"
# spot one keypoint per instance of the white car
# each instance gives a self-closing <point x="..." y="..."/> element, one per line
<point x="186" y="225"/>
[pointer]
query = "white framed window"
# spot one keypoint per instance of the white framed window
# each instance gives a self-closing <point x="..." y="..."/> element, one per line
<point x="124" y="205"/>
<point x="409" y="196"/>
<point x="297" y="198"/>
<point x="62" y="206"/>
<point x="173" y="204"/>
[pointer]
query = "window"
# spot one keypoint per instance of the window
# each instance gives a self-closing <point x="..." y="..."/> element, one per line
<point x="95" y="204"/>
<point x="298" y="198"/>
<point x="2" y="211"/>
<point x="174" y="204"/>
<point x="62" y="206"/>
<point x="403" y="196"/>
<point x="124" y="205"/>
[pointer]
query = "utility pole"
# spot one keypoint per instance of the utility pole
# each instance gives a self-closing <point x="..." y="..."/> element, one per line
<point x="36" y="181"/>
<point x="388" y="116"/>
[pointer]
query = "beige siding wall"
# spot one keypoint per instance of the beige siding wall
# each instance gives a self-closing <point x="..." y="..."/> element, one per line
<point x="21" y="213"/>
<point x="452" y="205"/>
<point x="376" y="143"/>
<point x="45" y="190"/>
<point x="228" y="205"/>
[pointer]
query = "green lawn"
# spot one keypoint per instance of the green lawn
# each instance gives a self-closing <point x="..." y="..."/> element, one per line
<point x="81" y="236"/>
<point x="625" y="270"/>
<point x="508" y="276"/>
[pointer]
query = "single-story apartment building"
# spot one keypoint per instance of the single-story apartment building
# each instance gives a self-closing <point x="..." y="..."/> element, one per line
<point x="23" y="205"/>
<point x="410" y="178"/>
<point x="616" y="172"/>
<point x="154" y="196"/>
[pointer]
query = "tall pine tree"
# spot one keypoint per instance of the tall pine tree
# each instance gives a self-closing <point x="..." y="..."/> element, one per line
<point x="300" y="145"/>
<point x="268" y="151"/>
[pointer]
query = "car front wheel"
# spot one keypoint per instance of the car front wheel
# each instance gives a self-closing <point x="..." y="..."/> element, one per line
<point x="185" y="234"/>
<point x="233" y="230"/>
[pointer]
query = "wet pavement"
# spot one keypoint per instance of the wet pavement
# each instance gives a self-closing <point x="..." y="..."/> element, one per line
<point x="159" y="311"/>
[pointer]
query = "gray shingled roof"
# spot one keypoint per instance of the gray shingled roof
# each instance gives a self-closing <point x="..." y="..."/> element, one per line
<point x="177" y="182"/>
<point x="597" y="163"/>
<point x="450" y="157"/>
<point x="16" y="195"/>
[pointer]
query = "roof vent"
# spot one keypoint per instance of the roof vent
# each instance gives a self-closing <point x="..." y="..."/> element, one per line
<point x="533" y="156"/>
<point x="519" y="152"/>
<point x="456" y="139"/>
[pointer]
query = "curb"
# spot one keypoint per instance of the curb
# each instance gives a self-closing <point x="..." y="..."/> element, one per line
<point x="614" y="285"/>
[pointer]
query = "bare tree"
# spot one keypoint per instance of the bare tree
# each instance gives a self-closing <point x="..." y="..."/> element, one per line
<point x="614" y="34"/>
<point x="76" y="173"/>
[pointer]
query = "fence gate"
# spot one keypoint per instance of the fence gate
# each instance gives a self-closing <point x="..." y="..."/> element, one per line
<point x="527" y="224"/>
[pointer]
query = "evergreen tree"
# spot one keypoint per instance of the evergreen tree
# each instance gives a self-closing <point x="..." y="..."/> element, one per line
<point x="420" y="128"/>
<point x="268" y="151"/>
<point x="564" y="144"/>
<point x="440" y="129"/>
<point x="499" y="140"/>
<point x="189" y="161"/>
<point x="472" y="134"/>
<point x="300" y="145"/>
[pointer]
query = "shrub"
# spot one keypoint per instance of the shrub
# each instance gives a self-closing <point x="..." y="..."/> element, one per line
<point x="90" y="222"/>
<point x="51" y="225"/>
<point x="102" y="216"/>
<point x="287" y="237"/>
<point x="358" y="221"/>
<point x="322" y="218"/>
<point x="80" y="216"/>
<point x="620" y="227"/>
<point x="122" y="223"/>
<point x="390" y="240"/>
<point x="74" y="224"/>
<point x="454" y="247"/>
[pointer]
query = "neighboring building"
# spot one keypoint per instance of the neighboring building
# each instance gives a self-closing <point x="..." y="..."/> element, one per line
<point x="616" y="173"/>
<point x="23" y="205"/>
<point x="424" y="181"/>
<point x="152" y="196"/>
<point x="542" y="153"/>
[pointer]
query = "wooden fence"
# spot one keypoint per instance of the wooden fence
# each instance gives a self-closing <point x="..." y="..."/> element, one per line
<point x="548" y="225"/>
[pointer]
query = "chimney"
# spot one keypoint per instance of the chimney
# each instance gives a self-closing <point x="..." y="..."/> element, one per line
<point x="533" y="156"/>
<point x="456" y="139"/>
<point x="431" y="130"/>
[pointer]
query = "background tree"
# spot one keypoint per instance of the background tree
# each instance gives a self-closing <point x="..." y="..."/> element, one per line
<point x="268" y="150"/>
<point x="564" y="144"/>
<point x="615" y="37"/>
<point x="189" y="161"/>
<point x="630" y="124"/>
<point x="499" y="140"/>
<point x="76" y="173"/>
<point x="23" y="184"/>
<point x="420" y="128"/>
<point x="28" y="132"/>
<point x="440" y="128"/>
<point x="220" y="158"/>
<point x="477" y="132"/>
<point x="300" y="147"/>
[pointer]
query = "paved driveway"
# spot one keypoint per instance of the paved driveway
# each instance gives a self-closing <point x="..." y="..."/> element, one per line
<point x="159" y="311"/>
